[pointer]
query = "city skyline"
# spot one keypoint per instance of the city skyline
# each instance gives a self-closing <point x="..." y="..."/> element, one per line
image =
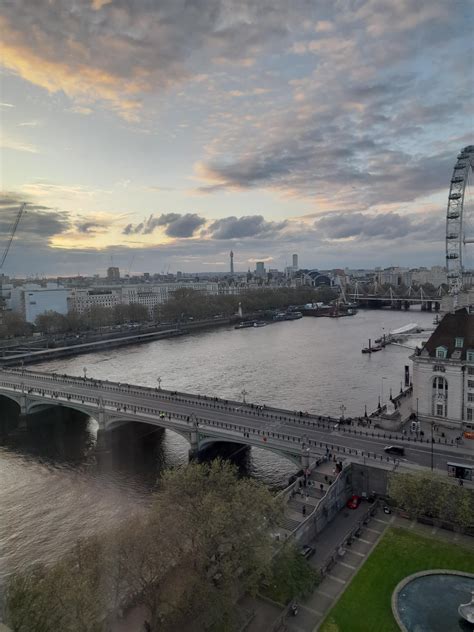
<point x="155" y="136"/>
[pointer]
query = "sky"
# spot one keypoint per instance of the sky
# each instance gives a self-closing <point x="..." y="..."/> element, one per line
<point x="158" y="135"/>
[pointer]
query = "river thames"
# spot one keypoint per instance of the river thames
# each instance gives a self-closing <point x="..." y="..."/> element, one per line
<point x="53" y="490"/>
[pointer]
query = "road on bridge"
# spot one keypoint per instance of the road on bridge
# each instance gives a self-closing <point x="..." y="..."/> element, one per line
<point x="234" y="421"/>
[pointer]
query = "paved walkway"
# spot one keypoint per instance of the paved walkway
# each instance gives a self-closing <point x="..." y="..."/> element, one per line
<point x="313" y="609"/>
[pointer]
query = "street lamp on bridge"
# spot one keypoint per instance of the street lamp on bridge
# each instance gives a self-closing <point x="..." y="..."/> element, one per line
<point x="85" y="372"/>
<point x="243" y="392"/>
<point x="158" y="379"/>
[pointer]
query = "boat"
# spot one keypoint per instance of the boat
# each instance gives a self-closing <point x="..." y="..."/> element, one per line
<point x="260" y="323"/>
<point x="293" y="316"/>
<point x="244" y="324"/>
<point x="372" y="349"/>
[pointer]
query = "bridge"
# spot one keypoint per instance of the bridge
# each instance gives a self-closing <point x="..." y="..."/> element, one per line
<point x="376" y="296"/>
<point x="202" y="420"/>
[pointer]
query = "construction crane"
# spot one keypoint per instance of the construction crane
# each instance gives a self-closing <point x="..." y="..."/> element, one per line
<point x="11" y="233"/>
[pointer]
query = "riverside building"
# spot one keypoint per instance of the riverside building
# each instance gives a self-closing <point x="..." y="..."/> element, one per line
<point x="443" y="372"/>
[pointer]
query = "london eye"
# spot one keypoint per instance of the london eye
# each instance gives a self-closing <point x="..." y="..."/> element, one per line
<point x="460" y="223"/>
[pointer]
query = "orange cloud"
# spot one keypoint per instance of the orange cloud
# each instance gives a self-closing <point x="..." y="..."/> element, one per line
<point x="83" y="83"/>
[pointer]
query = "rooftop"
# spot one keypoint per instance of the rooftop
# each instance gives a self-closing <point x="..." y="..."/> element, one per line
<point x="459" y="324"/>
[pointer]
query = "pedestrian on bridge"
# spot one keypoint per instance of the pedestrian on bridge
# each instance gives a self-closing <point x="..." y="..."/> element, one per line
<point x="304" y="510"/>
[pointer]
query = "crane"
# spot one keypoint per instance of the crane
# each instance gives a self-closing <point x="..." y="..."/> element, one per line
<point x="11" y="234"/>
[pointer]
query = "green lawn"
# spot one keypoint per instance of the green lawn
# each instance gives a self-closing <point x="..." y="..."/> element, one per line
<point x="365" y="605"/>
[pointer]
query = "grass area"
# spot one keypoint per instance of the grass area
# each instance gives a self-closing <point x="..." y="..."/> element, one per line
<point x="365" y="605"/>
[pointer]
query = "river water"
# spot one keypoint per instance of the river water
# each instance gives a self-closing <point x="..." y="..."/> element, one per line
<point x="52" y="488"/>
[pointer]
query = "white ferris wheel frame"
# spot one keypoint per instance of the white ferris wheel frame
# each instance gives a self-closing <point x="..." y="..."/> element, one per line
<point x="456" y="238"/>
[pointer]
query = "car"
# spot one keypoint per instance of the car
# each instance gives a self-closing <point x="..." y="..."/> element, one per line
<point x="353" y="502"/>
<point x="307" y="551"/>
<point x="398" y="450"/>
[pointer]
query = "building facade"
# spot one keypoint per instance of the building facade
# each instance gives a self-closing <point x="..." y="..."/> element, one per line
<point x="149" y="295"/>
<point x="443" y="372"/>
<point x="31" y="300"/>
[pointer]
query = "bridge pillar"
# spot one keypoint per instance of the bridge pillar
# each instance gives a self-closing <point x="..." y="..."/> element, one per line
<point x="304" y="458"/>
<point x="194" y="440"/>
<point x="22" y="423"/>
<point x="103" y="441"/>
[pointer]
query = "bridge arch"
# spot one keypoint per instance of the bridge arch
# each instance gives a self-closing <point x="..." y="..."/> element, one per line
<point x="12" y="398"/>
<point x="206" y="442"/>
<point x="117" y="422"/>
<point x="40" y="405"/>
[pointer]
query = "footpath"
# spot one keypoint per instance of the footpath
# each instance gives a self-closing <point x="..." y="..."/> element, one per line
<point x="343" y="563"/>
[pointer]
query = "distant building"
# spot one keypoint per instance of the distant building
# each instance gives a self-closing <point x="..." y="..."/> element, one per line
<point x="147" y="294"/>
<point x="31" y="300"/>
<point x="443" y="371"/>
<point x="231" y="263"/>
<point x="113" y="274"/>
<point x="435" y="276"/>
<point x="260" y="269"/>
<point x="295" y="262"/>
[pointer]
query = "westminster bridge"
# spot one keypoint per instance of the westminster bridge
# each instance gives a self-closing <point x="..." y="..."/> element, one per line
<point x="202" y="420"/>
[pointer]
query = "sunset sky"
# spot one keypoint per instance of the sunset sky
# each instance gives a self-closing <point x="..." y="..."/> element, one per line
<point x="168" y="132"/>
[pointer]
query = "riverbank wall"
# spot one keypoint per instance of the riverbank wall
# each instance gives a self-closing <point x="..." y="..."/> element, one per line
<point x="32" y="356"/>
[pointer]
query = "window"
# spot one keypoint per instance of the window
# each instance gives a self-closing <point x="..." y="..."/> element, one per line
<point x="441" y="352"/>
<point x="459" y="343"/>
<point x="470" y="397"/>
<point x="470" y="414"/>
<point x="439" y="410"/>
<point x="440" y="384"/>
<point x="470" y="356"/>
<point x="470" y="383"/>
<point x="470" y="370"/>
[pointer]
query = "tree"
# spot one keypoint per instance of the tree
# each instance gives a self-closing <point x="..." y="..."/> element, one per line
<point x="14" y="325"/>
<point x="291" y="576"/>
<point x="433" y="495"/>
<point x="68" y="596"/>
<point x="225" y="525"/>
<point x="205" y="540"/>
<point x="51" y="322"/>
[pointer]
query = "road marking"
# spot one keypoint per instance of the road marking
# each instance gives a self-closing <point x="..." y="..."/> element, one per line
<point x="412" y="524"/>
<point x="316" y="612"/>
<point x="357" y="553"/>
<point x="353" y="568"/>
<point x="434" y="530"/>
<point x="382" y="521"/>
<point x="324" y="594"/>
<point x="336" y="579"/>
<point x="365" y="541"/>
<point x="373" y="530"/>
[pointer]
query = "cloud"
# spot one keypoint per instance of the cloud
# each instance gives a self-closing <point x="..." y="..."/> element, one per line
<point x="381" y="226"/>
<point x="356" y="133"/>
<point x="176" y="225"/>
<point x="18" y="145"/>
<point x="90" y="227"/>
<point x="247" y="226"/>
<point x="37" y="223"/>
<point x="114" y="52"/>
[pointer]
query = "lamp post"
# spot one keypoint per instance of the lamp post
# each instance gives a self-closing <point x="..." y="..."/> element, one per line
<point x="432" y="446"/>
<point x="85" y="372"/>
<point x="381" y="380"/>
<point x="158" y="379"/>
<point x="243" y="392"/>
<point x="342" y="408"/>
